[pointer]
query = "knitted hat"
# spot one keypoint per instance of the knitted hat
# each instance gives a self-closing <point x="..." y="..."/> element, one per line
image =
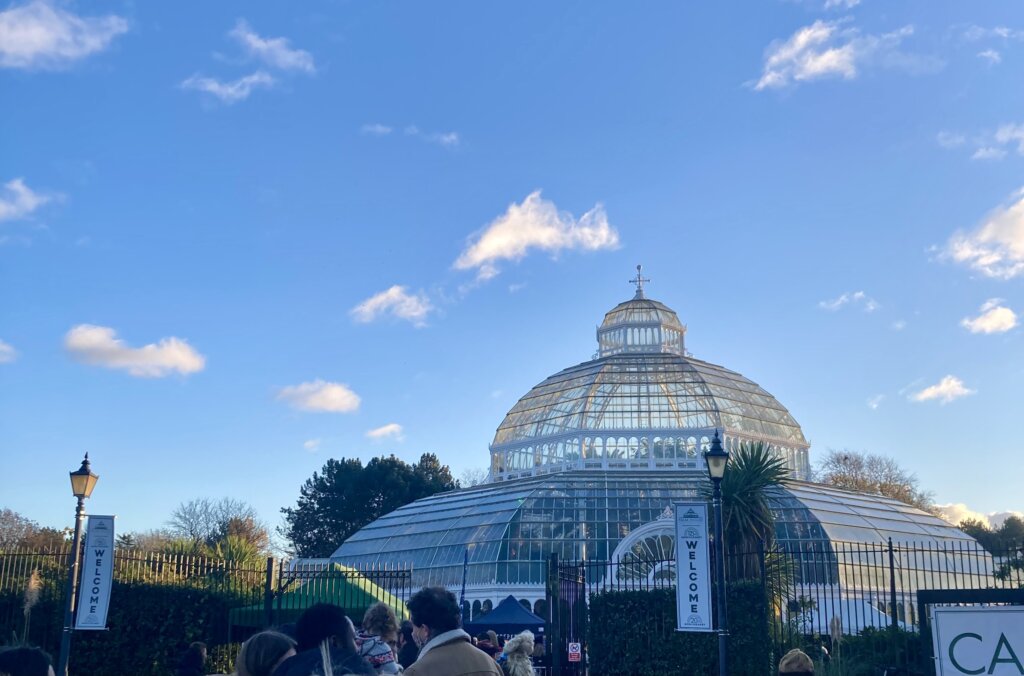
<point x="796" y="662"/>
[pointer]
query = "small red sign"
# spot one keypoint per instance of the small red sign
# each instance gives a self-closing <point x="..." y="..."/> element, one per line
<point x="575" y="652"/>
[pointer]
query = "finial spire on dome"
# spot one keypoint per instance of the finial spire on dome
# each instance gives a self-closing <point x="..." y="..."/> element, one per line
<point x="639" y="281"/>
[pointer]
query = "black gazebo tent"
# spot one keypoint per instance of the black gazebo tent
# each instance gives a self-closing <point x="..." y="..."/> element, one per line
<point x="507" y="619"/>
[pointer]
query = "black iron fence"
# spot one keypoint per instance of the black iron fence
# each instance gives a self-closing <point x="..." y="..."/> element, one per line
<point x="161" y="602"/>
<point x="852" y="606"/>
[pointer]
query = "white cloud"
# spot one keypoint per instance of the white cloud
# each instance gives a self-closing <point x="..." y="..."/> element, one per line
<point x="988" y="153"/>
<point x="994" y="318"/>
<point x="311" y="445"/>
<point x="376" y="129"/>
<point x="898" y="325"/>
<point x="320" y="396"/>
<point x="397" y="302"/>
<point x="275" y="52"/>
<point x="39" y="35"/>
<point x="992" y="56"/>
<point x="875" y="401"/>
<point x="389" y="431"/>
<point x="949" y="140"/>
<point x="841" y="4"/>
<point x="535" y="223"/>
<point x="955" y="512"/>
<point x="17" y="200"/>
<point x="946" y="390"/>
<point x="996" y="247"/>
<point x="233" y="91"/>
<point x="446" y="138"/>
<point x="867" y="303"/>
<point x="100" y="346"/>
<point x="1010" y="134"/>
<point x="975" y="33"/>
<point x="827" y="49"/>
<point x="7" y="353"/>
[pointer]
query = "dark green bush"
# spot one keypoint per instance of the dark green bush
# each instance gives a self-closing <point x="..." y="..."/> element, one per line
<point x="634" y="632"/>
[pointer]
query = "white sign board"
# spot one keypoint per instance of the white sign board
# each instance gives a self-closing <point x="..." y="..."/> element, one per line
<point x="978" y="640"/>
<point x="97" y="574"/>
<point x="693" y="567"/>
<point x="575" y="652"/>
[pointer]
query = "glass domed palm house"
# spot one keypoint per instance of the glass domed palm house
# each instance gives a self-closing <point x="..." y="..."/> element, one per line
<point x="589" y="461"/>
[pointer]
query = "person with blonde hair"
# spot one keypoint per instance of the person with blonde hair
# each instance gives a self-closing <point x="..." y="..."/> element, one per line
<point x="261" y="654"/>
<point x="796" y="663"/>
<point x="515" y="657"/>
<point x="377" y="638"/>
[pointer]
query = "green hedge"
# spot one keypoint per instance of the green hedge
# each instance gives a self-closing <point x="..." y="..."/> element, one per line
<point x="150" y="626"/>
<point x="634" y="632"/>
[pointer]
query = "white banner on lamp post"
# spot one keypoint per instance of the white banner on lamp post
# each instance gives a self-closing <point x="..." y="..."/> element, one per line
<point x="978" y="640"/>
<point x="97" y="574"/>
<point x="693" y="568"/>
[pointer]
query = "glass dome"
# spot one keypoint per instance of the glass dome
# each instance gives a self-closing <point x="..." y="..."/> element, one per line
<point x="643" y="403"/>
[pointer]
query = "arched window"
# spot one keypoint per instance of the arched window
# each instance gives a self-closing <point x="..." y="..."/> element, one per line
<point x="634" y="448"/>
<point x="598" y="447"/>
<point x="658" y="447"/>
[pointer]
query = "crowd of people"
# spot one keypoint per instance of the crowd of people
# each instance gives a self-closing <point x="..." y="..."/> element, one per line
<point x="324" y="642"/>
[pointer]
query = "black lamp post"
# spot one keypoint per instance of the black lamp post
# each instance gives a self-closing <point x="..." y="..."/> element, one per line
<point x="717" y="460"/>
<point x="82" y="483"/>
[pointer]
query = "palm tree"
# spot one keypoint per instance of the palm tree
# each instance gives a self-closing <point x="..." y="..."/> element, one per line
<point x="748" y="522"/>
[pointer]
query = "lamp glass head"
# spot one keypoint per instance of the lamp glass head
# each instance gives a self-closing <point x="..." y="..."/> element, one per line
<point x="717" y="458"/>
<point x="83" y="480"/>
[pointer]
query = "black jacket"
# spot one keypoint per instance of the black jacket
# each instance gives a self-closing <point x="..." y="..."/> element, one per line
<point x="309" y="663"/>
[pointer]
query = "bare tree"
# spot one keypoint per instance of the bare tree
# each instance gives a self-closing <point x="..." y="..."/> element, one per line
<point x="472" y="476"/>
<point x="206" y="521"/>
<point x="870" y="473"/>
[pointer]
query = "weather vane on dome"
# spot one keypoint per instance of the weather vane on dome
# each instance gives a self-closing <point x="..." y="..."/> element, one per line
<point x="639" y="281"/>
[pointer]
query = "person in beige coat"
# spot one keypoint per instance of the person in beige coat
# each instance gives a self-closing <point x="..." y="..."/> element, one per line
<point x="445" y="649"/>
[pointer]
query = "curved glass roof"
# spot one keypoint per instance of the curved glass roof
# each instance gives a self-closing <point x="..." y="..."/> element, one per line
<point x="642" y="392"/>
<point x="641" y="311"/>
<point x="510" y="528"/>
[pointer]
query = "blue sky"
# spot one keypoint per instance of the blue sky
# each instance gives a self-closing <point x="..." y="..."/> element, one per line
<point x="237" y="238"/>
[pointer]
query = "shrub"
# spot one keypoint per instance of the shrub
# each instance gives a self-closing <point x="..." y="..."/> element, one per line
<point x="634" y="632"/>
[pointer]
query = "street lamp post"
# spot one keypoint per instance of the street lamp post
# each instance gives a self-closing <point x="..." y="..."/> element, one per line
<point x="717" y="458"/>
<point x="82" y="483"/>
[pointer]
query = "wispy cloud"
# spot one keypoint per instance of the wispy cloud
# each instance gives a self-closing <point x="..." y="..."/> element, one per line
<point x="17" y="200"/>
<point x="996" y="247"/>
<point x="39" y="35"/>
<point x="950" y="388"/>
<point x="376" y="129"/>
<point x="950" y="140"/>
<point x="992" y="56"/>
<point x="994" y="317"/>
<point x="831" y="49"/>
<point x="988" y="153"/>
<point x="859" y="298"/>
<point x="875" y="401"/>
<point x="100" y="346"/>
<point x="841" y="4"/>
<point x="7" y="353"/>
<point x="389" y="431"/>
<point x="976" y="33"/>
<point x="274" y="52"/>
<point x="397" y="302"/>
<point x="448" y="139"/>
<point x="320" y="396"/>
<point x="898" y="325"/>
<point x="535" y="224"/>
<point x="311" y="445"/>
<point x="232" y="91"/>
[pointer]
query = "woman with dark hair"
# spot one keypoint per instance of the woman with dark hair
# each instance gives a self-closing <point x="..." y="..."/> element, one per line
<point x="326" y="645"/>
<point x="193" y="662"/>
<point x="25" y="662"/>
<point x="262" y="653"/>
<point x="407" y="648"/>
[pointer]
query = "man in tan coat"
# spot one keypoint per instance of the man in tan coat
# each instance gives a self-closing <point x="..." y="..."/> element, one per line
<point x="445" y="649"/>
